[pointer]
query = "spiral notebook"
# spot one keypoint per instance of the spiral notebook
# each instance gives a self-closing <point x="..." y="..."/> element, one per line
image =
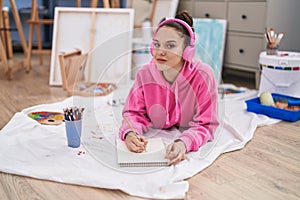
<point x="152" y="157"/>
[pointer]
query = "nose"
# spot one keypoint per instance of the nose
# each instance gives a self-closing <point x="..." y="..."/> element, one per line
<point x="161" y="51"/>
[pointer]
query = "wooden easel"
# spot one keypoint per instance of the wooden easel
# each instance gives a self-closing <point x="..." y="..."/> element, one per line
<point x="106" y="3"/>
<point x="5" y="33"/>
<point x="152" y="12"/>
<point x="151" y="15"/>
<point x="35" y="22"/>
<point x="72" y="66"/>
<point x="9" y="70"/>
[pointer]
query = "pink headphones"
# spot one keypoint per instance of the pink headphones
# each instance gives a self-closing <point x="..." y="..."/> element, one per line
<point x="189" y="51"/>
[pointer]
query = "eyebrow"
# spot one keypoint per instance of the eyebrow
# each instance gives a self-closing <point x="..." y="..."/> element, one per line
<point x="169" y="41"/>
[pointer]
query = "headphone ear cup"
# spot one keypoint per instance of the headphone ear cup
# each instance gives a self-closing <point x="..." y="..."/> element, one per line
<point x="188" y="53"/>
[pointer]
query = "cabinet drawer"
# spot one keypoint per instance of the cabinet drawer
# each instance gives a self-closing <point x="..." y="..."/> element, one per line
<point x="210" y="10"/>
<point x="243" y="50"/>
<point x="246" y="17"/>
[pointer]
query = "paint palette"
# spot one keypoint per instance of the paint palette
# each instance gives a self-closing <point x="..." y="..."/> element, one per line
<point x="47" y="118"/>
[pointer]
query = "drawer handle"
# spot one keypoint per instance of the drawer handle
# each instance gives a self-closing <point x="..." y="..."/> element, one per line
<point x="207" y="15"/>
<point x="241" y="50"/>
<point x="244" y="16"/>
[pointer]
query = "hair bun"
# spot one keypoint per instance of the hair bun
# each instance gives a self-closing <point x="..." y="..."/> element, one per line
<point x="185" y="16"/>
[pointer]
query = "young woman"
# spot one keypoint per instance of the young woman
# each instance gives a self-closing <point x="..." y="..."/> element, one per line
<point x="172" y="90"/>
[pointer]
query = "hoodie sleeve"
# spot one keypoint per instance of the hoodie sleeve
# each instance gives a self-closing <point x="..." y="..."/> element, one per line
<point x="205" y="120"/>
<point x="135" y="111"/>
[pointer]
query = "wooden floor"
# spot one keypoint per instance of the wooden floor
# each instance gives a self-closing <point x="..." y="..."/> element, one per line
<point x="268" y="167"/>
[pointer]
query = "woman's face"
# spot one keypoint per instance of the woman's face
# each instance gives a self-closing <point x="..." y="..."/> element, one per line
<point x="168" y="49"/>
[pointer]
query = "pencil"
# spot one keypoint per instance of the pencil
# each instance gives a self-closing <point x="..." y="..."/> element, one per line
<point x="129" y="124"/>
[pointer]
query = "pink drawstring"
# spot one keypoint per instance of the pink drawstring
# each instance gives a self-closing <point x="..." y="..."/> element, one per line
<point x="167" y="107"/>
<point x="177" y="112"/>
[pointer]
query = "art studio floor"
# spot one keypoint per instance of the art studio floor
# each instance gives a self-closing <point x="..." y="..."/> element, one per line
<point x="266" y="168"/>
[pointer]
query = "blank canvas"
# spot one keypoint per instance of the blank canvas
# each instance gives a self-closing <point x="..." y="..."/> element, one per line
<point x="104" y="33"/>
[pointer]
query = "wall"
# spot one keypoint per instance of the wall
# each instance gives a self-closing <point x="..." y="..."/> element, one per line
<point x="284" y="15"/>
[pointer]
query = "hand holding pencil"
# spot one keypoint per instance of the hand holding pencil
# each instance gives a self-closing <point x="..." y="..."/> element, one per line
<point x="134" y="141"/>
<point x="176" y="152"/>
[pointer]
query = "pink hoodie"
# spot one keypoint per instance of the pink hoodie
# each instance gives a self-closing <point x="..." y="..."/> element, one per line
<point x="190" y="103"/>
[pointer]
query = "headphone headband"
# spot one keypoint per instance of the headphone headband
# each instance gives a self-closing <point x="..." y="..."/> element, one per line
<point x="188" y="28"/>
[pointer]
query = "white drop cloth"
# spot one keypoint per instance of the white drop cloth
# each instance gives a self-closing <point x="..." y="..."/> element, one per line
<point x="40" y="151"/>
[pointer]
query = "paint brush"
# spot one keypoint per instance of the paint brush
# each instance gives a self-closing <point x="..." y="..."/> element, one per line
<point x="272" y="35"/>
<point x="279" y="37"/>
<point x="273" y="40"/>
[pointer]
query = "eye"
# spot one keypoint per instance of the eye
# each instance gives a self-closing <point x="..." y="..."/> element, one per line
<point x="170" y="46"/>
<point x="156" y="45"/>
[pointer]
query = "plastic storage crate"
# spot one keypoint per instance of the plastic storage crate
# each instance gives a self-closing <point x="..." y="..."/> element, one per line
<point x="254" y="105"/>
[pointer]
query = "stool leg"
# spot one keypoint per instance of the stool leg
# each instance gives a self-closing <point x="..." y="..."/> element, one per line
<point x="2" y="51"/>
<point x="106" y="4"/>
<point x="31" y="27"/>
<point x="19" y="25"/>
<point x="38" y="35"/>
<point x="78" y="3"/>
<point x="39" y="40"/>
<point x="94" y="3"/>
<point x="29" y="50"/>
<point x="4" y="61"/>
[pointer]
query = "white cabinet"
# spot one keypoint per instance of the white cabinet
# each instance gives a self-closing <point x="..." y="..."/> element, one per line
<point x="241" y="50"/>
<point x="246" y="23"/>
<point x="246" y="16"/>
<point x="209" y="10"/>
<point x="245" y="35"/>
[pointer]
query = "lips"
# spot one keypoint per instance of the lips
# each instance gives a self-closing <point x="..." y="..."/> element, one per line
<point x="161" y="60"/>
